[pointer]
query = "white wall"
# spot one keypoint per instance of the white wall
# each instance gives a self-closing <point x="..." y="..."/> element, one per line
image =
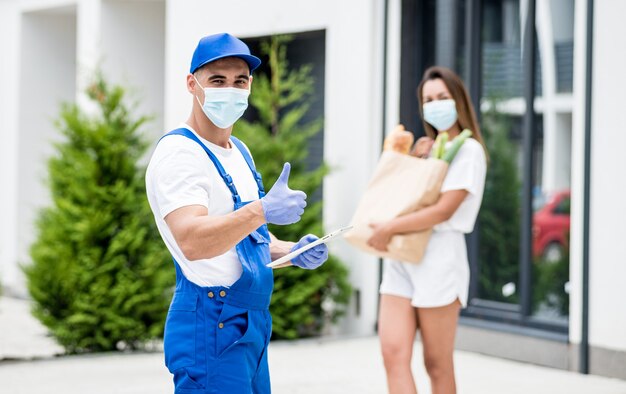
<point x="51" y="49"/>
<point x="47" y="78"/>
<point x="9" y="29"/>
<point x="88" y="48"/>
<point x="352" y="102"/>
<point x="608" y="183"/>
<point x="133" y="54"/>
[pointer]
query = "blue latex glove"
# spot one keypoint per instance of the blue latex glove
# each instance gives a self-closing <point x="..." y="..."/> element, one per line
<point x="313" y="257"/>
<point x="281" y="205"/>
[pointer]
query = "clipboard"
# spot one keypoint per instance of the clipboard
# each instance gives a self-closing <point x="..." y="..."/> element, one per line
<point x="286" y="259"/>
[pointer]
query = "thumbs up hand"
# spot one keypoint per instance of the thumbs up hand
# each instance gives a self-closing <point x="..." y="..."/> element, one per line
<point x="281" y="205"/>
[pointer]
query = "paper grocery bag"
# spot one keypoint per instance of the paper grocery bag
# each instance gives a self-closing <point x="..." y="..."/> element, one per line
<point x="401" y="184"/>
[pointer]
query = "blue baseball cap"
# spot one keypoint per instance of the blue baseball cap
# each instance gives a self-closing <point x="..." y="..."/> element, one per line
<point x="219" y="46"/>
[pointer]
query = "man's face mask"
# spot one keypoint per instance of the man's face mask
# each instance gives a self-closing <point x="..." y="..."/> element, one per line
<point x="441" y="114"/>
<point x="224" y="106"/>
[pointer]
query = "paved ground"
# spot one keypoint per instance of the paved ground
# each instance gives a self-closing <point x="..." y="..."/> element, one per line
<point x="328" y="366"/>
<point x="21" y="335"/>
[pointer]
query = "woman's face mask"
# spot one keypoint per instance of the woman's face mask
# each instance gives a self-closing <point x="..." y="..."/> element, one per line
<point x="224" y="106"/>
<point x="441" y="114"/>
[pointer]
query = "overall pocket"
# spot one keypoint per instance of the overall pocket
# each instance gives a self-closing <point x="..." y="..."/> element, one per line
<point x="260" y="246"/>
<point x="179" y="339"/>
<point x="234" y="323"/>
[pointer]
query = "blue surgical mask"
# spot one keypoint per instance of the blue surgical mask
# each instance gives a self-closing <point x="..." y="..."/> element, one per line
<point x="224" y="106"/>
<point x="441" y="114"/>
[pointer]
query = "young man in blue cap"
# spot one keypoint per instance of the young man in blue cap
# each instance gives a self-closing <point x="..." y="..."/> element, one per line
<point x="212" y="212"/>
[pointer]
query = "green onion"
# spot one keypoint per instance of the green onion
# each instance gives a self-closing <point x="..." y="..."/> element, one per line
<point x="456" y="145"/>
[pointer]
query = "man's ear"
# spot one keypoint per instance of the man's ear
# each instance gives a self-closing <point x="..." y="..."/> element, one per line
<point x="191" y="83"/>
<point x="250" y="83"/>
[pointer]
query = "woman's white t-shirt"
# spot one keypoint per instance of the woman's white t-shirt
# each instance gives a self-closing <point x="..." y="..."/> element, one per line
<point x="443" y="274"/>
<point x="180" y="174"/>
<point x="466" y="172"/>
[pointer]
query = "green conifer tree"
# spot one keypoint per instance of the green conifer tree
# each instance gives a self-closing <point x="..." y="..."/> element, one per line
<point x="100" y="277"/>
<point x="281" y="100"/>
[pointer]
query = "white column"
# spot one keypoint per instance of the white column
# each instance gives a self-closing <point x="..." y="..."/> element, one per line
<point x="607" y="249"/>
<point x="577" y="193"/>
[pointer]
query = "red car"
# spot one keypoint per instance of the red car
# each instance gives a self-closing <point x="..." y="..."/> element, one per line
<point x="551" y="227"/>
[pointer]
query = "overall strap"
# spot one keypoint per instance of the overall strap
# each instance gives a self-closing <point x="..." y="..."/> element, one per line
<point x="248" y="158"/>
<point x="227" y="179"/>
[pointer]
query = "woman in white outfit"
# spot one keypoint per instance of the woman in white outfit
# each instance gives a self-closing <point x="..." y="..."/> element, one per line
<point x="429" y="295"/>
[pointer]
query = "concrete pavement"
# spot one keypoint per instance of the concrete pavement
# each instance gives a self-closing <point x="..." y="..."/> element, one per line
<point x="21" y="335"/>
<point x="329" y="366"/>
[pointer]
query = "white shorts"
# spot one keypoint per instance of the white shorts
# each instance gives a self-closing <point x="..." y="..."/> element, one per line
<point x="424" y="290"/>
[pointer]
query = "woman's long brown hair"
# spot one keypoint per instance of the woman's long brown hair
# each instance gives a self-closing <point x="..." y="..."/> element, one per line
<point x="465" y="109"/>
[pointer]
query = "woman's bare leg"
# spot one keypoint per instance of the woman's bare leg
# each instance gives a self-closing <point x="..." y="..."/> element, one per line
<point x="397" y="323"/>
<point x="438" y="328"/>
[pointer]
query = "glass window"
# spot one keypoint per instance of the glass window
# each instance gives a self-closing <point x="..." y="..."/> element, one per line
<point x="527" y="189"/>
<point x="500" y="226"/>
<point x="551" y="223"/>
<point x="499" y="218"/>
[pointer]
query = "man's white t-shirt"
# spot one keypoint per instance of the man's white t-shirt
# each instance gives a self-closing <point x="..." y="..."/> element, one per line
<point x="180" y="174"/>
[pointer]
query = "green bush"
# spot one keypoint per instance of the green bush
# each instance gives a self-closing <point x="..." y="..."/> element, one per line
<point x="498" y="220"/>
<point x="100" y="277"/>
<point x="303" y="300"/>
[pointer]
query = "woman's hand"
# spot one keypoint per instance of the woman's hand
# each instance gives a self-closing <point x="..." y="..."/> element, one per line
<point x="381" y="236"/>
<point x="422" y="147"/>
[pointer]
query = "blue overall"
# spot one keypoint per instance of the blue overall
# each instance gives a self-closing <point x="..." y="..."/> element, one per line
<point x="216" y="337"/>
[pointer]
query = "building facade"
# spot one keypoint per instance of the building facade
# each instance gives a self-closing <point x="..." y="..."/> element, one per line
<point x="369" y="56"/>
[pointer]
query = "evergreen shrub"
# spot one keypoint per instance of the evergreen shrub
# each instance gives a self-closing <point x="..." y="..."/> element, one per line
<point x="100" y="277"/>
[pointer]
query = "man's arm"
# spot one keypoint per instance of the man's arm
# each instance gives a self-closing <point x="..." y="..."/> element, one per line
<point x="200" y="236"/>
<point x="279" y="248"/>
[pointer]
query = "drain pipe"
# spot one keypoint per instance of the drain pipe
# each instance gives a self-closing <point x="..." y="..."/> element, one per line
<point x="584" y="340"/>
